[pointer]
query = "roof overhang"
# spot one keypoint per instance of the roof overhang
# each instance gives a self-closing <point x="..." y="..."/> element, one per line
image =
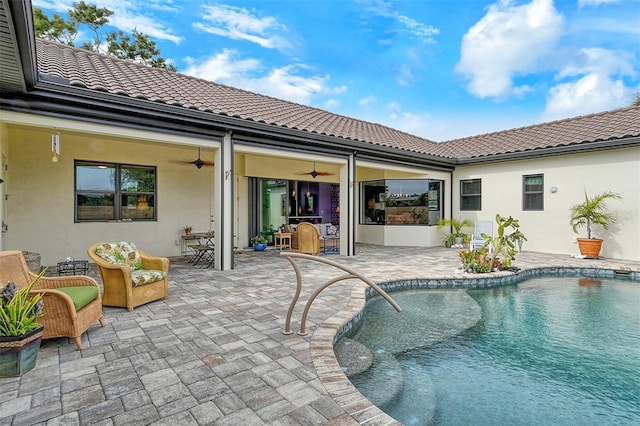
<point x="599" y="145"/>
<point x="17" y="47"/>
<point x="61" y="100"/>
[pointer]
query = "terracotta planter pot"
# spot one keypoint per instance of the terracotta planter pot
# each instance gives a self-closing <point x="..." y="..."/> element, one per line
<point x="18" y="354"/>
<point x="589" y="247"/>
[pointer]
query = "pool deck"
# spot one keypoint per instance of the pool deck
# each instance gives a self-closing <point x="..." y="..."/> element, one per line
<point x="214" y="353"/>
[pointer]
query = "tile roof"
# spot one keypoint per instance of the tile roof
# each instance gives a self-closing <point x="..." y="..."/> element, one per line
<point x="99" y="72"/>
<point x="604" y="126"/>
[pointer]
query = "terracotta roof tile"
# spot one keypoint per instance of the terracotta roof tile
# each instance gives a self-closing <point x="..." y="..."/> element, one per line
<point x="123" y="78"/>
<point x="609" y="125"/>
<point x="98" y="72"/>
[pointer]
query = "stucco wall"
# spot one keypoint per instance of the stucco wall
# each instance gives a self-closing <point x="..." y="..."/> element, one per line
<point x="41" y="194"/>
<point x="549" y="230"/>
<point x="4" y="146"/>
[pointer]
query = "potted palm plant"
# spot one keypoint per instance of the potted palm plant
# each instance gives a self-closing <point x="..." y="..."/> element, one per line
<point x="20" y="333"/>
<point x="593" y="211"/>
<point x="456" y="238"/>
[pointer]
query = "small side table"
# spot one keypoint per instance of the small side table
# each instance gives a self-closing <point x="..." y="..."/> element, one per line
<point x="282" y="240"/>
<point x="334" y="246"/>
<point x="73" y="267"/>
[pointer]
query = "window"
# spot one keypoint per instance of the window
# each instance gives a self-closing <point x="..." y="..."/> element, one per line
<point x="114" y="192"/>
<point x="471" y="194"/>
<point x="532" y="192"/>
<point x="401" y="202"/>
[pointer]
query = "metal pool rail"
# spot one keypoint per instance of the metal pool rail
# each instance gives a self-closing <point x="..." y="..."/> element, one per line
<point x="350" y="274"/>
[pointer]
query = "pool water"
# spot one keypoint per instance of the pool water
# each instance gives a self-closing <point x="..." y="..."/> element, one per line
<point x="548" y="351"/>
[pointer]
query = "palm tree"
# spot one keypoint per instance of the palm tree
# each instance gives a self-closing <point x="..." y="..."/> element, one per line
<point x="593" y="211"/>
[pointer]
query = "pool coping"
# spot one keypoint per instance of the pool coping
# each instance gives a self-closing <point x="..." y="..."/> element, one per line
<point x="332" y="329"/>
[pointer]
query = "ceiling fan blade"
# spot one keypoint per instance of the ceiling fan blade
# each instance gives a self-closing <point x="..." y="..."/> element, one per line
<point x="314" y="173"/>
<point x="199" y="162"/>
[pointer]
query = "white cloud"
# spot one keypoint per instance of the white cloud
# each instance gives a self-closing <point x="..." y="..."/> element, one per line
<point x="331" y="104"/>
<point x="594" y="84"/>
<point x="595" y="2"/>
<point x="58" y="6"/>
<point x="249" y="74"/>
<point x="126" y="16"/>
<point x="146" y="25"/>
<point x="417" y="124"/>
<point x="337" y="90"/>
<point x="508" y="41"/>
<point x="404" y="75"/>
<point x="591" y="93"/>
<point x="369" y="100"/>
<point x="407" y="25"/>
<point x="240" y="24"/>
<point x="597" y="60"/>
<point x="394" y="106"/>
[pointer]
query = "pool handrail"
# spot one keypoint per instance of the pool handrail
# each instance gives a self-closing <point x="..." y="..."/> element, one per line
<point x="350" y="274"/>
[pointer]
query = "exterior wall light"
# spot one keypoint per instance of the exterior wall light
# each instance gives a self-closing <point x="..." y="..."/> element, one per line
<point x="553" y="189"/>
<point x="55" y="145"/>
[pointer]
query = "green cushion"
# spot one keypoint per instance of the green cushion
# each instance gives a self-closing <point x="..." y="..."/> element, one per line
<point x="81" y="295"/>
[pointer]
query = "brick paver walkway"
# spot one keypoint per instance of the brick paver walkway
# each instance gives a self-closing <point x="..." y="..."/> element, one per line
<point x="214" y="352"/>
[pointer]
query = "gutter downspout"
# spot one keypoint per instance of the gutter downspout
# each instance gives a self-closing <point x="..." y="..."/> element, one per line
<point x="451" y="194"/>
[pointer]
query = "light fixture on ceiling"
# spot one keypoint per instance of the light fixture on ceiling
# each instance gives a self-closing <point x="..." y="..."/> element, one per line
<point x="55" y="145"/>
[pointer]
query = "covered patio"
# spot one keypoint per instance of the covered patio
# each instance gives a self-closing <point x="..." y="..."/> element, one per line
<point x="214" y="351"/>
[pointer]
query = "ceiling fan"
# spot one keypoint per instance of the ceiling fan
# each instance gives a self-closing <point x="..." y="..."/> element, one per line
<point x="199" y="162"/>
<point x="314" y="173"/>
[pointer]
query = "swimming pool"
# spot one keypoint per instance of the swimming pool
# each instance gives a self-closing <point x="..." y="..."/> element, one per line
<point x="545" y="351"/>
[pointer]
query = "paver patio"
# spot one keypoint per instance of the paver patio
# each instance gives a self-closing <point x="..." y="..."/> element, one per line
<point x="214" y="352"/>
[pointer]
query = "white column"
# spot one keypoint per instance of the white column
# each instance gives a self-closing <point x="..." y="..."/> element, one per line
<point x="223" y="193"/>
<point x="349" y="217"/>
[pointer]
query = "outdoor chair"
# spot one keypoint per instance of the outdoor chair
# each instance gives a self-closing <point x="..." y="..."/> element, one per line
<point x="71" y="303"/>
<point x="481" y="227"/>
<point x="130" y="277"/>
<point x="308" y="238"/>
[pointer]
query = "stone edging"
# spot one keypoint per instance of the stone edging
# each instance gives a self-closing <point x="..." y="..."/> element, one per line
<point x="331" y="330"/>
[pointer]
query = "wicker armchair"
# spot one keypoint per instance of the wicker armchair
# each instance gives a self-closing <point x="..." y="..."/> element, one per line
<point x="61" y="318"/>
<point x="124" y="286"/>
<point x="308" y="238"/>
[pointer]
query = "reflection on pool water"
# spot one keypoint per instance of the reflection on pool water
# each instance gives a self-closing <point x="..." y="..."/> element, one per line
<point x="552" y="351"/>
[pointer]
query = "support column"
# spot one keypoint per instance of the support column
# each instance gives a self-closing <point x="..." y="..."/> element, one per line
<point x="351" y="219"/>
<point x="224" y="227"/>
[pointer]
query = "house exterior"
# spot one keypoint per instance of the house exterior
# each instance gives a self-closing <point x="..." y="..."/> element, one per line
<point x="99" y="149"/>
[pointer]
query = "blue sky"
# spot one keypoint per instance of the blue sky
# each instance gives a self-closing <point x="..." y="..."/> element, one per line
<point x="438" y="69"/>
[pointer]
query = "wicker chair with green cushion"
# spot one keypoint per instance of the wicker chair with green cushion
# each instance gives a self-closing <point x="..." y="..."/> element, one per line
<point x="130" y="277"/>
<point x="71" y="303"/>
